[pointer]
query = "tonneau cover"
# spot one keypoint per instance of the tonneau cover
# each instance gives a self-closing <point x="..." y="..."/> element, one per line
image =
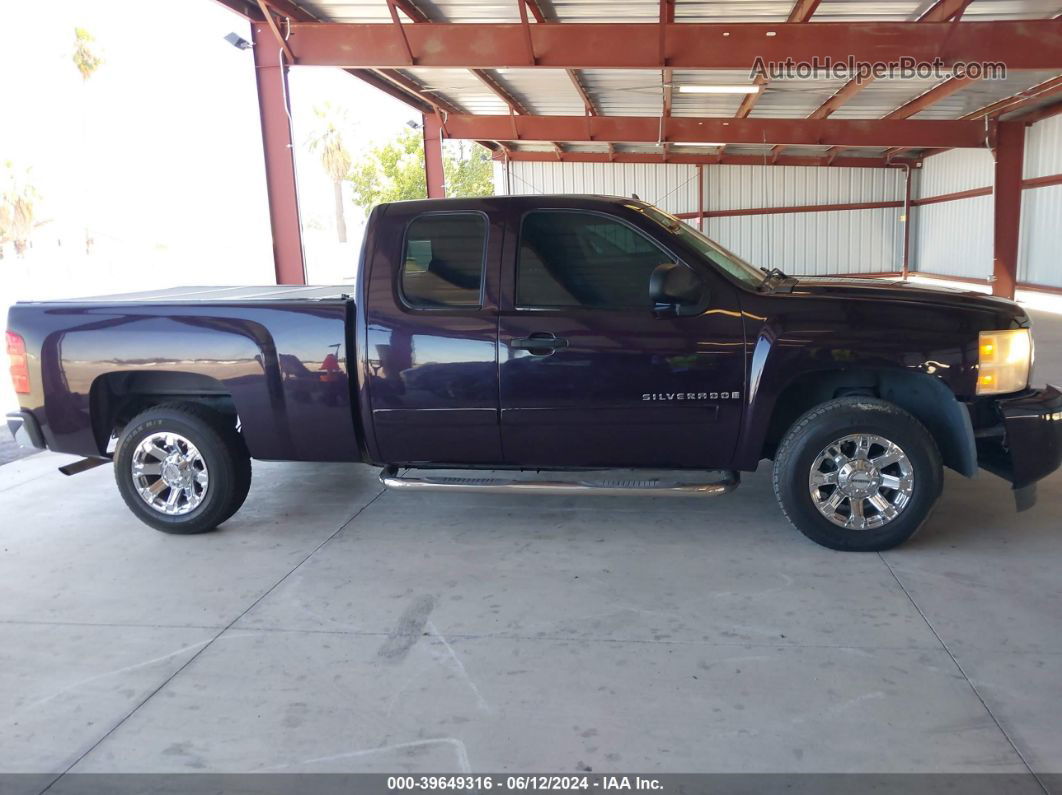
<point x="283" y="292"/>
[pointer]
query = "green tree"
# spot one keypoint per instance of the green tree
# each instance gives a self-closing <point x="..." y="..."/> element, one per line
<point x="327" y="140"/>
<point x="19" y="201"/>
<point x="468" y="171"/>
<point x="86" y="61"/>
<point x="395" y="172"/>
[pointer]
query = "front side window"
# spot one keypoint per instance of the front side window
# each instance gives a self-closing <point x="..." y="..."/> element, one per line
<point x="442" y="265"/>
<point x="705" y="246"/>
<point x="577" y="259"/>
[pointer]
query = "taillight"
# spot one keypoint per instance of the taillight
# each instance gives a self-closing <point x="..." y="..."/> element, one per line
<point x="16" y="351"/>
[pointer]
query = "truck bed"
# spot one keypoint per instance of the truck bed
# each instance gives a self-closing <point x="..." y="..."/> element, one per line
<point x="277" y="355"/>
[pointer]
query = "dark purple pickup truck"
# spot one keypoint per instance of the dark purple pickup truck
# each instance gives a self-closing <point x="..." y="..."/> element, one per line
<point x="580" y="337"/>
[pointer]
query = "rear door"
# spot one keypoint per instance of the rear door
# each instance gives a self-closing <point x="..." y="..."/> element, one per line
<point x="590" y="376"/>
<point x="432" y="334"/>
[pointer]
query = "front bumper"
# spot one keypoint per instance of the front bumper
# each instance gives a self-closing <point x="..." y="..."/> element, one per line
<point x="1029" y="446"/>
<point x="23" y="426"/>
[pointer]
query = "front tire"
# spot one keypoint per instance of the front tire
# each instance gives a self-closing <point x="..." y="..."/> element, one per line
<point x="182" y="468"/>
<point x="857" y="474"/>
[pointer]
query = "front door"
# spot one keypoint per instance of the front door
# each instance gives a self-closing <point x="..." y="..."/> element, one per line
<point x="431" y="336"/>
<point x="590" y="375"/>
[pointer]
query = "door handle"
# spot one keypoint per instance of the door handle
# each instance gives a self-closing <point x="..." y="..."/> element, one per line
<point x="538" y="344"/>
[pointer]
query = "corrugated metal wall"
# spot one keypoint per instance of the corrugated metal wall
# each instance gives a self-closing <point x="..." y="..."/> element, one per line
<point x="671" y="187"/>
<point x="848" y="241"/>
<point x="954" y="238"/>
<point x="1040" y="253"/>
<point x="861" y="241"/>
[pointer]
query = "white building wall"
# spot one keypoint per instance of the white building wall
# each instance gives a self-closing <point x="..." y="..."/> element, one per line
<point x="954" y="238"/>
<point x="1040" y="250"/>
<point x="861" y="241"/>
<point x="669" y="186"/>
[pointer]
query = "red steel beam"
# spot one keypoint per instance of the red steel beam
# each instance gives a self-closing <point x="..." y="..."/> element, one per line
<point x="271" y="77"/>
<point x="1019" y="101"/>
<point x="667" y="17"/>
<point x="535" y="9"/>
<point x="434" y="175"/>
<point x="510" y="101"/>
<point x="1039" y="114"/>
<point x="732" y="160"/>
<point x="1010" y="153"/>
<point x="941" y="11"/>
<point x="953" y="197"/>
<point x="388" y="81"/>
<point x="1011" y="104"/>
<point x="588" y="102"/>
<point x="1025" y="44"/>
<point x="843" y="94"/>
<point x="806" y="208"/>
<point x="647" y="129"/>
<point x="275" y="30"/>
<point x="944" y="11"/>
<point x="802" y="11"/>
<point x="411" y="11"/>
<point x="922" y="101"/>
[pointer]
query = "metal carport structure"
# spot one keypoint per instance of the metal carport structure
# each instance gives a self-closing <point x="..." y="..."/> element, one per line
<point x="670" y="82"/>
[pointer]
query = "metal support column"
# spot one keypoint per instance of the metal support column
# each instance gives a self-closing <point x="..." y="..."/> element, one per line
<point x="1010" y="151"/>
<point x="271" y="78"/>
<point x="433" y="163"/>
<point x="906" y="267"/>
<point x="700" y="197"/>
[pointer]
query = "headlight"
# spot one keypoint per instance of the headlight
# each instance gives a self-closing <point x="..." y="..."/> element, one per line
<point x="1004" y="359"/>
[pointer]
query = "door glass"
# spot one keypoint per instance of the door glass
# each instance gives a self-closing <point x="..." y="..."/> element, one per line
<point x="442" y="265"/>
<point x="577" y="259"/>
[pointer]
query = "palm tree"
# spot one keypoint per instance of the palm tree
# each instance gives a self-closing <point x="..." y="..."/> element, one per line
<point x="18" y="207"/>
<point x="87" y="62"/>
<point x="335" y="159"/>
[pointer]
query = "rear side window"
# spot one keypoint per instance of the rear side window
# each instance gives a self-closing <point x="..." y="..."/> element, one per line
<point x="442" y="265"/>
<point x="578" y="259"/>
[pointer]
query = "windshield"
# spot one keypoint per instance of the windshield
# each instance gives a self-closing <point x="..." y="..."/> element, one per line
<point x="728" y="261"/>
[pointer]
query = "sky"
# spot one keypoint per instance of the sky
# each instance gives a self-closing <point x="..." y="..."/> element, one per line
<point x="160" y="150"/>
<point x="159" y="153"/>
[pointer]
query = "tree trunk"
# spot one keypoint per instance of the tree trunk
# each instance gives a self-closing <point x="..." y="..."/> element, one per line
<point x="341" y="224"/>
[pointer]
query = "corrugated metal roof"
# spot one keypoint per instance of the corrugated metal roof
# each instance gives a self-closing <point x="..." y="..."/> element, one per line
<point x="623" y="11"/>
<point x="620" y="92"/>
<point x="546" y="92"/>
<point x="793" y="99"/>
<point x="625" y="92"/>
<point x="983" y="92"/>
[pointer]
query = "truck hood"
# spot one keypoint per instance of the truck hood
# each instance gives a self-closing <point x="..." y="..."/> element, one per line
<point x="898" y="290"/>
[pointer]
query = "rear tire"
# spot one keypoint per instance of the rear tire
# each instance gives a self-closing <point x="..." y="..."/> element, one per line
<point x="182" y="468"/>
<point x="857" y="474"/>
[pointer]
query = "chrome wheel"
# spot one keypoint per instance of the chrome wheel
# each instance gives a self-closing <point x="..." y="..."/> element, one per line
<point x="861" y="481"/>
<point x="169" y="473"/>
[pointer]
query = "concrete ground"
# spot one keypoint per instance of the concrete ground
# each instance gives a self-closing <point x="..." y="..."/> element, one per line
<point x="333" y="627"/>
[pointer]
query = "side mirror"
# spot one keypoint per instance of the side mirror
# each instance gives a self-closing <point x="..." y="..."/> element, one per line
<point x="676" y="290"/>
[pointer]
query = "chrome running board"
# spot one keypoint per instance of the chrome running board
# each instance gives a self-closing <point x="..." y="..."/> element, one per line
<point x="615" y="487"/>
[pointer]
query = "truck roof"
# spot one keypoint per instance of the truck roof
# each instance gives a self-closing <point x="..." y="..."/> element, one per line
<point x="566" y="198"/>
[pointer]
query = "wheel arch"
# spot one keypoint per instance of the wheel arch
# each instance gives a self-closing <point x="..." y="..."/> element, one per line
<point x="116" y="398"/>
<point x="921" y="395"/>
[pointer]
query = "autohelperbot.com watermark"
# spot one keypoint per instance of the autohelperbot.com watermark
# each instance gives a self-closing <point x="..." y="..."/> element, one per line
<point x="904" y="68"/>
